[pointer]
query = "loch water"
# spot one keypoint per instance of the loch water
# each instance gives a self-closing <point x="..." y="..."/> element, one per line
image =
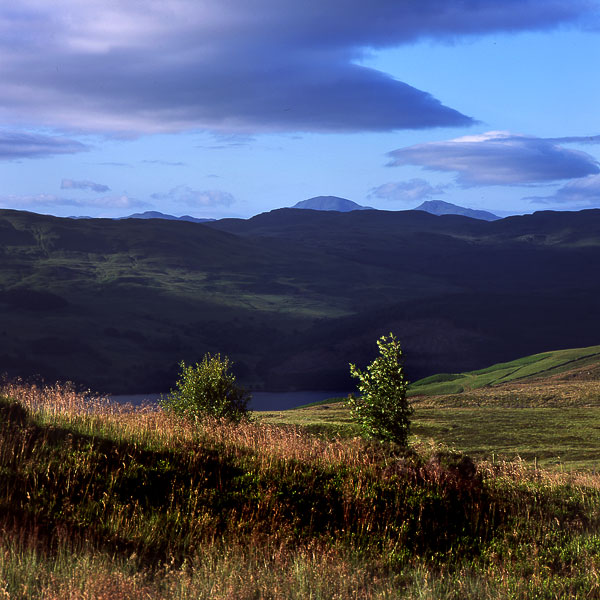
<point x="260" y="400"/>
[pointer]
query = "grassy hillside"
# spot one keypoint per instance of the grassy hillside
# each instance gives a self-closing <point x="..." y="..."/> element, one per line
<point x="292" y="295"/>
<point x="106" y="502"/>
<point x="580" y="363"/>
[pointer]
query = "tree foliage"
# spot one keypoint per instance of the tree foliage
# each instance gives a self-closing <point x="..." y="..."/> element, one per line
<point x="208" y="389"/>
<point x="382" y="410"/>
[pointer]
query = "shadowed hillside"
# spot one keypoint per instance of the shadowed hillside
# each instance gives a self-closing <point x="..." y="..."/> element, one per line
<point x="292" y="295"/>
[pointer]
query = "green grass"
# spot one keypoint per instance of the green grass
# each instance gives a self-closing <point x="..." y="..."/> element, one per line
<point x="523" y="369"/>
<point x="563" y="438"/>
<point x="329" y="419"/>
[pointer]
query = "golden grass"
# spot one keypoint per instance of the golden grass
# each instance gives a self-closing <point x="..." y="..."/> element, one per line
<point x="151" y="425"/>
<point x="267" y="565"/>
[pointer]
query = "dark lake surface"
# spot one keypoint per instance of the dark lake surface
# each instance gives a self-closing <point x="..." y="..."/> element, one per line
<point x="260" y="400"/>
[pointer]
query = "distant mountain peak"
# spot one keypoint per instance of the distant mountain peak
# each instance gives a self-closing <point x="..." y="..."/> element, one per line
<point x="439" y="207"/>
<point x="153" y="214"/>
<point x="330" y="203"/>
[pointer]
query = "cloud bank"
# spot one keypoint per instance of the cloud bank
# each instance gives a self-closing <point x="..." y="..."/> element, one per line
<point x="52" y="201"/>
<point x="501" y="158"/>
<point x="183" y="194"/>
<point x="16" y="145"/>
<point x="126" y="67"/>
<point x="407" y="191"/>
<point x="582" y="193"/>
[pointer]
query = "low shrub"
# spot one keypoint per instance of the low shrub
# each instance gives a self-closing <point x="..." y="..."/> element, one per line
<point x="208" y="389"/>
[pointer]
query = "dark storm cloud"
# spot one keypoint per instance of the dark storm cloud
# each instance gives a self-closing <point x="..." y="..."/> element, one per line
<point x="500" y="158"/>
<point x="267" y="65"/>
<point x="15" y="145"/>
<point x="70" y="184"/>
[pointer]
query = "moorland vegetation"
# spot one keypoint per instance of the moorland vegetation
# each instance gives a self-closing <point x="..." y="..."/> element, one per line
<point x="106" y="501"/>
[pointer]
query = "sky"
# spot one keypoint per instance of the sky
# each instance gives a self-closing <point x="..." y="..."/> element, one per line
<point x="230" y="108"/>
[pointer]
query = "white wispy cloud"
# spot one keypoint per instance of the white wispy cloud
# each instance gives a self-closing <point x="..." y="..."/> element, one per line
<point x="164" y="163"/>
<point x="71" y="184"/>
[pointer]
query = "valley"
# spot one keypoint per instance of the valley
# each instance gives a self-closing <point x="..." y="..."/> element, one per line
<point x="291" y="295"/>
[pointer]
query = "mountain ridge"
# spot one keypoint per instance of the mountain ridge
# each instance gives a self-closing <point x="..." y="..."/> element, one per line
<point x="291" y="295"/>
<point x="153" y="214"/>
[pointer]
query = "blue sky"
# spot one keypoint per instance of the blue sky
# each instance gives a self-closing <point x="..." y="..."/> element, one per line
<point x="216" y="109"/>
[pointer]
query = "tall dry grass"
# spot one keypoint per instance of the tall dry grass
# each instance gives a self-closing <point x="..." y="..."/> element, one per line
<point x="262" y="511"/>
<point x="150" y="424"/>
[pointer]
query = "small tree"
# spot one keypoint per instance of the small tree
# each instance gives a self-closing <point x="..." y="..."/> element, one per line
<point x="382" y="410"/>
<point x="208" y="389"/>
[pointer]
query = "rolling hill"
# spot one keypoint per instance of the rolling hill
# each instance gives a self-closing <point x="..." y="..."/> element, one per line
<point x="291" y="295"/>
<point x="573" y="364"/>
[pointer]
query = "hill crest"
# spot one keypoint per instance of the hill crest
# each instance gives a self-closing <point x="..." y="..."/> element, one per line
<point x="154" y="214"/>
<point x="330" y="203"/>
<point x="439" y="208"/>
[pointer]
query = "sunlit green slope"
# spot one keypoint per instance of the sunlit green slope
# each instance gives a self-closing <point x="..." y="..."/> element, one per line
<point x="536" y="366"/>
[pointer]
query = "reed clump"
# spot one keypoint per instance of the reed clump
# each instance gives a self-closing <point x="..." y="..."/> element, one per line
<point x="102" y="500"/>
